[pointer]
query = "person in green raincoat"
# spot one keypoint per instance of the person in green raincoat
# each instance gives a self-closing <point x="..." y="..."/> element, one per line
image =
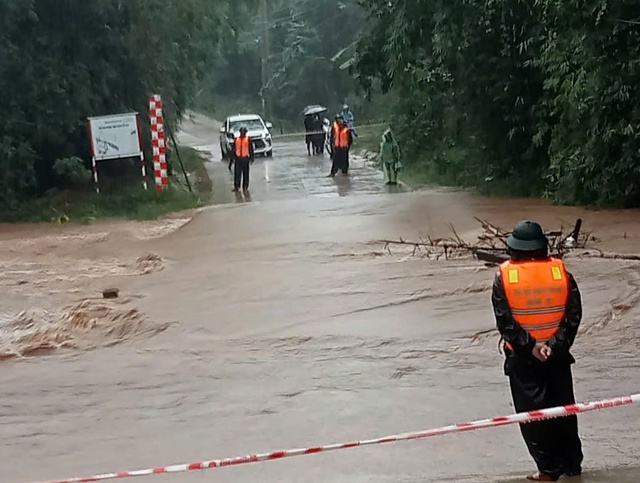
<point x="390" y="157"/>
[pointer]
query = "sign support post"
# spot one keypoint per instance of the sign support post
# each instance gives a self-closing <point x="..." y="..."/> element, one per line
<point x="94" y="167"/>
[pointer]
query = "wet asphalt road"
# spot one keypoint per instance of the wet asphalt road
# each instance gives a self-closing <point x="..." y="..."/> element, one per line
<point x="291" y="174"/>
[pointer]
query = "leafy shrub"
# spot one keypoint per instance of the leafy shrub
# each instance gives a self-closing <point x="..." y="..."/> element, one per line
<point x="71" y="172"/>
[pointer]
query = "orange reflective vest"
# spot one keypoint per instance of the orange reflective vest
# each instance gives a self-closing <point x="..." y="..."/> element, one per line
<point x="341" y="137"/>
<point x="336" y="130"/>
<point x="242" y="147"/>
<point x="537" y="293"/>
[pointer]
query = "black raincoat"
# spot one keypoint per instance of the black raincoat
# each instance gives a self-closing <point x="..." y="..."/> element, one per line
<point x="554" y="444"/>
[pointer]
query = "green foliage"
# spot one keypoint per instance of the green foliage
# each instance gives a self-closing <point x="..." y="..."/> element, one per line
<point x="537" y="97"/>
<point x="87" y="207"/>
<point x="71" y="172"/>
<point x="591" y="62"/>
<point x="369" y="138"/>
<point x="17" y="178"/>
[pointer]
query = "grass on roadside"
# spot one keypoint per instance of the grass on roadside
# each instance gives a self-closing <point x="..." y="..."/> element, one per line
<point x="193" y="161"/>
<point x="120" y="200"/>
<point x="416" y="176"/>
<point x="369" y="138"/>
<point x="87" y="207"/>
<point x="422" y="172"/>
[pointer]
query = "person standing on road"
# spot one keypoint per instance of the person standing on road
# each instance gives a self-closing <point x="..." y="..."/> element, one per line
<point x="242" y="156"/>
<point x="335" y="126"/>
<point x="341" y="140"/>
<point x="390" y="157"/>
<point x="326" y="128"/>
<point x="318" y="135"/>
<point x="308" y="138"/>
<point x="538" y="310"/>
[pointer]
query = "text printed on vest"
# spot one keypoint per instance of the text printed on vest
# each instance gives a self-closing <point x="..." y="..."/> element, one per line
<point x="537" y="293"/>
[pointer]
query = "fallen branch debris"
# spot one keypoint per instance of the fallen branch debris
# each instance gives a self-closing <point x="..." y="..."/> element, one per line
<point x="491" y="245"/>
<point x="609" y="255"/>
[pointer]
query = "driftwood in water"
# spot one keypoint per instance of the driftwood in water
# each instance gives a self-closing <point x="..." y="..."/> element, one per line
<point x="491" y="257"/>
<point x="435" y="247"/>
<point x="491" y="244"/>
<point x="610" y="255"/>
<point x="491" y="248"/>
<point x="576" y="229"/>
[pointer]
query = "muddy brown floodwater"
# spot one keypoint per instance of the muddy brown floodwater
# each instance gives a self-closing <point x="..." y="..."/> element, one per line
<point x="282" y="322"/>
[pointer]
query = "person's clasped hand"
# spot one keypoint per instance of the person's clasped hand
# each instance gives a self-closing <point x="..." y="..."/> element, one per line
<point x="541" y="351"/>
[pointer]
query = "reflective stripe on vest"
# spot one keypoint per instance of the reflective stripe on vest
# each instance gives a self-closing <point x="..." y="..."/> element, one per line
<point x="341" y="139"/>
<point x="537" y="293"/>
<point x="242" y="147"/>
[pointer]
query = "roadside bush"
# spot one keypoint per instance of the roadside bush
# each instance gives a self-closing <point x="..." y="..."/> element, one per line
<point x="71" y="173"/>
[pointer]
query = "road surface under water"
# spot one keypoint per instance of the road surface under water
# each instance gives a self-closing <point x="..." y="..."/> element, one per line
<point x="283" y="322"/>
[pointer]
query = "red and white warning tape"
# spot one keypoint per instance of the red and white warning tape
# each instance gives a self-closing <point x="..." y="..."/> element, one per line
<point x="358" y="128"/>
<point x="527" y="417"/>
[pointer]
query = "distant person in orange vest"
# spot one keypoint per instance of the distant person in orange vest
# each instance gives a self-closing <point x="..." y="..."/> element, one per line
<point x="538" y="310"/>
<point x="334" y="127"/>
<point x="242" y="156"/>
<point x="341" y="140"/>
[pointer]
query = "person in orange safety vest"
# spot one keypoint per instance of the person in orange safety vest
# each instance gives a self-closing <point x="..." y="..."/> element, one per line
<point x="335" y="126"/>
<point x="341" y="139"/>
<point x="538" y="310"/>
<point x="241" y="156"/>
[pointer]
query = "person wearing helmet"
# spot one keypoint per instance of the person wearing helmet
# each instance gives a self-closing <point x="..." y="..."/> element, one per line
<point x="347" y="115"/>
<point x="538" y="310"/>
<point x="335" y="125"/>
<point x="242" y="157"/>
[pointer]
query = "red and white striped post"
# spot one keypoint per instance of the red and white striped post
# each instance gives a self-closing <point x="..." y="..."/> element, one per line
<point x="158" y="142"/>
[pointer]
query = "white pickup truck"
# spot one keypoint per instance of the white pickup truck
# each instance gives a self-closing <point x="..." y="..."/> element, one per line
<point x="258" y="130"/>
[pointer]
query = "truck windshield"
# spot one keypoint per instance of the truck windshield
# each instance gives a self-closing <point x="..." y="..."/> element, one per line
<point x="250" y="124"/>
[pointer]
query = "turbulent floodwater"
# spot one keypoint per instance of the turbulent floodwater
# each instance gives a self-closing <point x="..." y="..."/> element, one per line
<point x="285" y="322"/>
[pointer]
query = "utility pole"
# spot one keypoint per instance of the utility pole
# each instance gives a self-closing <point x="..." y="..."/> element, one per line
<point x="265" y="59"/>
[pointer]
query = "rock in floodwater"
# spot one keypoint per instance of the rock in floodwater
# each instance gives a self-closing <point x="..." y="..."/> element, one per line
<point x="110" y="293"/>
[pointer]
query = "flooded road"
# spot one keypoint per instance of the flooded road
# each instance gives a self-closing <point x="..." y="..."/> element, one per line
<point x="283" y="322"/>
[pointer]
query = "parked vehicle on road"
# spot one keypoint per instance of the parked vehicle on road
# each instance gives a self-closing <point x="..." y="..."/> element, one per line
<point x="258" y="130"/>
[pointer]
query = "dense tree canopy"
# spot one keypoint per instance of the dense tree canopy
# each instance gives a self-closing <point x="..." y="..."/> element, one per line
<point x="304" y="45"/>
<point x="540" y="95"/>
